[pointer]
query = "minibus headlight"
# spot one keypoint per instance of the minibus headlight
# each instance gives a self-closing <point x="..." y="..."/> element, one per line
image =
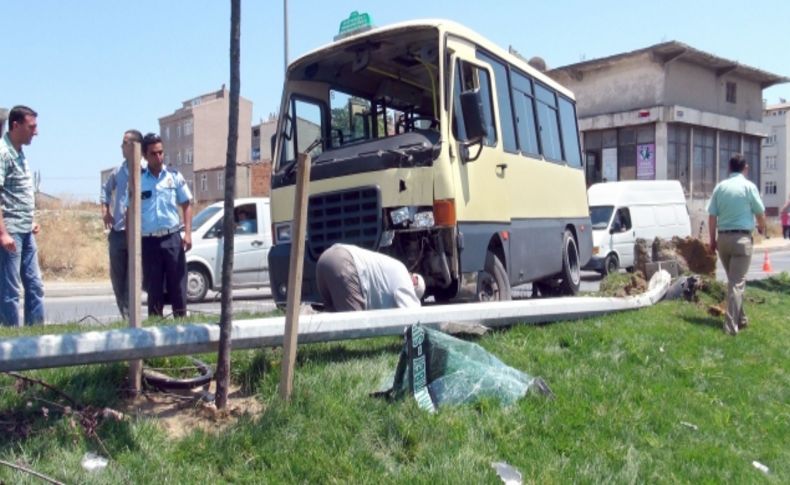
<point x="282" y="232"/>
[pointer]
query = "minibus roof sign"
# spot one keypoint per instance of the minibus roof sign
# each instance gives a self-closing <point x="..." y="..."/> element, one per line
<point x="354" y="24"/>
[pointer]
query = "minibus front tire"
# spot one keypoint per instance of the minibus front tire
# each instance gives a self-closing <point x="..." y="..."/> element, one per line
<point x="493" y="283"/>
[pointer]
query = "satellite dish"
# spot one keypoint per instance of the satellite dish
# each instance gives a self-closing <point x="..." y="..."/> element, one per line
<point x="538" y="63"/>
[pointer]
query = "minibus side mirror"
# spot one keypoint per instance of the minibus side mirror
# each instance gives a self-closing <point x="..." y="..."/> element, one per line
<point x="474" y="122"/>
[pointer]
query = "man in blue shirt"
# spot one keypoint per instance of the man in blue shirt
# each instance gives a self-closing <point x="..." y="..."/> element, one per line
<point x="162" y="191"/>
<point x="115" y="220"/>
<point x="18" y="251"/>
<point x="732" y="209"/>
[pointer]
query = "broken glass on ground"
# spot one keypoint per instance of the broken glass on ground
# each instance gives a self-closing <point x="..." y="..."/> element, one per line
<point x="438" y="370"/>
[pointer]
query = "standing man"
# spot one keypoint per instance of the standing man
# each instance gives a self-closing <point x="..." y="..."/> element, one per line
<point x="733" y="206"/>
<point x="18" y="252"/>
<point x="115" y="221"/>
<point x="162" y="191"/>
<point x="350" y="278"/>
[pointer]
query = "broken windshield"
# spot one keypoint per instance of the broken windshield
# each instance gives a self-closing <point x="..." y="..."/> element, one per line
<point x="379" y="87"/>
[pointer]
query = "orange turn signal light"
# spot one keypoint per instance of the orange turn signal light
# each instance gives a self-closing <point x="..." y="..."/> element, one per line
<point x="444" y="212"/>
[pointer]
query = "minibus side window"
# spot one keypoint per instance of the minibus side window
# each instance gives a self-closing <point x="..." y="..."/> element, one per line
<point x="548" y="124"/>
<point x="503" y="100"/>
<point x="469" y="77"/>
<point x="570" y="134"/>
<point x="524" y="104"/>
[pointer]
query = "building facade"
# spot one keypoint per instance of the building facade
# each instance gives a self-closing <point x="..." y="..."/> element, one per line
<point x="668" y="111"/>
<point x="3" y="117"/>
<point x="775" y="173"/>
<point x="195" y="136"/>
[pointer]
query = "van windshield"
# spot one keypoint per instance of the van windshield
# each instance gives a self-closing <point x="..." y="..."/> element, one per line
<point x="204" y="215"/>
<point x="600" y="216"/>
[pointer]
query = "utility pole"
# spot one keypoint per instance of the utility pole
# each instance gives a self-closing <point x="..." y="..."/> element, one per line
<point x="285" y="36"/>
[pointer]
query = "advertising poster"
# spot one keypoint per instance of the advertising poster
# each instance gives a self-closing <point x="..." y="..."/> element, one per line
<point x="646" y="161"/>
<point x="609" y="157"/>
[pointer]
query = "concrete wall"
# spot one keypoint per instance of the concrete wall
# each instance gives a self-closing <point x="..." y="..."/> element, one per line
<point x="630" y="84"/>
<point x="691" y="85"/>
<point x="211" y="133"/>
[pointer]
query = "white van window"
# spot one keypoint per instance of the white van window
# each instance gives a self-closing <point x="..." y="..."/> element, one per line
<point x="622" y="220"/>
<point x="600" y="216"/>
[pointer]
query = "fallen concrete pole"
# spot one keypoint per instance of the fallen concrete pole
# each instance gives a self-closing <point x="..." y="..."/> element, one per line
<point x="47" y="351"/>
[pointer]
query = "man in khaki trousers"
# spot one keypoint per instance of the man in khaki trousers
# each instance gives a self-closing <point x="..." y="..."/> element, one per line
<point x="731" y="213"/>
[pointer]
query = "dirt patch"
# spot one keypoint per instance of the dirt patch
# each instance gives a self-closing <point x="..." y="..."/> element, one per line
<point x="178" y="414"/>
<point x="697" y="254"/>
<point x="72" y="243"/>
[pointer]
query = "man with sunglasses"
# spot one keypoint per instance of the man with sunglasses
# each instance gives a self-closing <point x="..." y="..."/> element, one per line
<point x="162" y="191"/>
<point x="115" y="220"/>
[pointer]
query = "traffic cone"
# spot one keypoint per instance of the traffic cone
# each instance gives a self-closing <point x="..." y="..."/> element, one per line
<point x="767" y="268"/>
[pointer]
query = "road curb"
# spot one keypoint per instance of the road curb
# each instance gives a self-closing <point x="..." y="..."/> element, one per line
<point x="64" y="289"/>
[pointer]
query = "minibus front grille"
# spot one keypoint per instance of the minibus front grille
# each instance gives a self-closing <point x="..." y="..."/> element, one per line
<point x="349" y="216"/>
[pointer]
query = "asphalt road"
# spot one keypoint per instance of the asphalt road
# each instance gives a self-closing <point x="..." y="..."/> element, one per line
<point x="101" y="308"/>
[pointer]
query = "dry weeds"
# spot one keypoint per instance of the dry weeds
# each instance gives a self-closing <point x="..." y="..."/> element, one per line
<point x="72" y="243"/>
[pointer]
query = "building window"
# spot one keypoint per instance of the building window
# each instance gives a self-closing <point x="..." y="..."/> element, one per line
<point x="729" y="145"/>
<point x="178" y="158"/>
<point x="751" y="152"/>
<point x="626" y="154"/>
<point x="770" y="187"/>
<point x="703" y="173"/>
<point x="731" y="92"/>
<point x="204" y="182"/>
<point x="188" y="156"/>
<point x="166" y="133"/>
<point x="770" y="162"/>
<point x="220" y="182"/>
<point x="188" y="127"/>
<point x="678" y="154"/>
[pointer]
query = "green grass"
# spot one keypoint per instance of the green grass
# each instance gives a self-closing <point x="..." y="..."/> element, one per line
<point x="625" y="384"/>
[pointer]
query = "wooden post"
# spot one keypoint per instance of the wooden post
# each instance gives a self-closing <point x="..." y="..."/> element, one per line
<point x="133" y="243"/>
<point x="295" y="269"/>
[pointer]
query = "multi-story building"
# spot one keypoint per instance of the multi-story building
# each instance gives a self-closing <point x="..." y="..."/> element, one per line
<point x="253" y="178"/>
<point x="195" y="137"/>
<point x="3" y="117"/>
<point x="775" y="174"/>
<point x="668" y="111"/>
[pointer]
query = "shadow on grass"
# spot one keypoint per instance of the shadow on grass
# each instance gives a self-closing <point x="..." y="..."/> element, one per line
<point x="778" y="284"/>
<point x="338" y="353"/>
<point x="713" y="322"/>
<point x="34" y="411"/>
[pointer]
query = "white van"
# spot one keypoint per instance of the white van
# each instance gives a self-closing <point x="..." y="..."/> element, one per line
<point x="251" y="245"/>
<point x="622" y="212"/>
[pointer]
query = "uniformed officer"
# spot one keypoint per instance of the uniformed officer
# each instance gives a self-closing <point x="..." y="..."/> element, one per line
<point x="162" y="190"/>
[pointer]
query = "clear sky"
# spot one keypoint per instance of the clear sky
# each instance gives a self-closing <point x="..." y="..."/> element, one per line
<point x="94" y="68"/>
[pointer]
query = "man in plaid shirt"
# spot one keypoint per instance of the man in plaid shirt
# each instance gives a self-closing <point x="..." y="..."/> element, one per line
<point x="18" y="253"/>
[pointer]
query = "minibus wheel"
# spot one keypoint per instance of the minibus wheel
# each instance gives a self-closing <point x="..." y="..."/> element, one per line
<point x="493" y="283"/>
<point x="571" y="269"/>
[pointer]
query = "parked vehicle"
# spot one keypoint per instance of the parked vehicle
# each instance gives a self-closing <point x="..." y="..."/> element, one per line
<point x="439" y="148"/>
<point x="252" y="242"/>
<point x="622" y="212"/>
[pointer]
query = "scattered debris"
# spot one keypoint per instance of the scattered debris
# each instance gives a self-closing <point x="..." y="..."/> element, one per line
<point x="642" y="255"/>
<point x="666" y="251"/>
<point x="21" y="468"/>
<point x="761" y="467"/>
<point x="697" y="254"/>
<point x="508" y="473"/>
<point x="685" y="288"/>
<point x="92" y="462"/>
<point x="689" y="425"/>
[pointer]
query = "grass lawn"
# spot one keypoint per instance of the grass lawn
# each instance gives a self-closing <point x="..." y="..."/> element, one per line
<point x="656" y="395"/>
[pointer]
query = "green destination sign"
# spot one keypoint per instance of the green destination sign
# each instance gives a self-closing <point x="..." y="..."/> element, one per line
<point x="355" y="23"/>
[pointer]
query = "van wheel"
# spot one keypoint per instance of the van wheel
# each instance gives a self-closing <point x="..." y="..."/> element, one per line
<point x="610" y="265"/>
<point x="197" y="284"/>
<point x="571" y="269"/>
<point x="493" y="283"/>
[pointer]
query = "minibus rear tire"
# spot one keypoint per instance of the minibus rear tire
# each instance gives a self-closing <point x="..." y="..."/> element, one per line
<point x="571" y="267"/>
<point x="493" y="274"/>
